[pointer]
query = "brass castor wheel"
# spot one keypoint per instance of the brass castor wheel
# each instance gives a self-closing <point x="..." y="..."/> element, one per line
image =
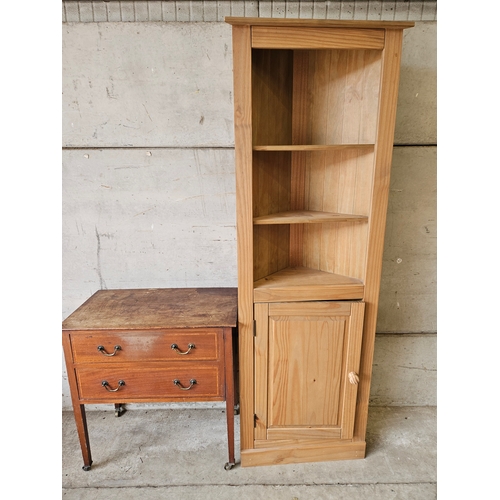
<point x="86" y="468"/>
<point x="119" y="410"/>
<point x="236" y="409"/>
<point x="228" y="466"/>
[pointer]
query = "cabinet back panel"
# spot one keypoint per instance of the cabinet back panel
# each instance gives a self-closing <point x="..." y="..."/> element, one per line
<point x="271" y="96"/>
<point x="270" y="182"/>
<point x="337" y="181"/>
<point x="336" y="248"/>
<point x="271" y="194"/>
<point x="340" y="94"/>
<point x="270" y="249"/>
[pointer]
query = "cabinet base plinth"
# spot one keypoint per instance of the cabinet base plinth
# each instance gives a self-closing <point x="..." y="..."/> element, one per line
<point x="303" y="454"/>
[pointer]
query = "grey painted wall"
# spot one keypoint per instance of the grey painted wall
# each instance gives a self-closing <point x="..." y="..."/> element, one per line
<point x="215" y="10"/>
<point x="149" y="190"/>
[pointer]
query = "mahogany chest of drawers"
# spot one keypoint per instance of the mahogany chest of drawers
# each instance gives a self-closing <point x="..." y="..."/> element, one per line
<point x="151" y="345"/>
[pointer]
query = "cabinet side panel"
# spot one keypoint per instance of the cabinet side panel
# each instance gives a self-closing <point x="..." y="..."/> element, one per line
<point x="242" y="69"/>
<point x="391" y="58"/>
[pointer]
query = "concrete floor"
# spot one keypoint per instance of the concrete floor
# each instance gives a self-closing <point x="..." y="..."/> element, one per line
<point x="180" y="454"/>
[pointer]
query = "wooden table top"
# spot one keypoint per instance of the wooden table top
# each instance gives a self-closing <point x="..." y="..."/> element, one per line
<point x="156" y="308"/>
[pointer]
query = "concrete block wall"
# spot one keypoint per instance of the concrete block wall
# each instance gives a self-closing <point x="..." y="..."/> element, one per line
<point x="148" y="164"/>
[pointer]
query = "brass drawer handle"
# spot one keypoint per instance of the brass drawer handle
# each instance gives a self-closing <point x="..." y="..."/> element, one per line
<point x="105" y="384"/>
<point x="101" y="349"/>
<point x="175" y="347"/>
<point x="179" y="385"/>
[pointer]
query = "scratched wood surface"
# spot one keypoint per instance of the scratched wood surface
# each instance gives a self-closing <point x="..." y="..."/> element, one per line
<point x="156" y="308"/>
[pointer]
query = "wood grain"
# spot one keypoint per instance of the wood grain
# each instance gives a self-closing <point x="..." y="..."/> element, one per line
<point x="302" y="352"/>
<point x="316" y="38"/>
<point x="305" y="433"/>
<point x="352" y="357"/>
<point x="261" y="21"/>
<point x="322" y="126"/>
<point x="242" y="75"/>
<point x="307" y="217"/>
<point x="298" y="169"/>
<point x="271" y="193"/>
<point x="339" y="84"/>
<point x="146" y="345"/>
<point x="315" y="147"/>
<point x="305" y="360"/>
<point x="338" y="182"/>
<point x="150" y="308"/>
<point x="302" y="453"/>
<point x="149" y="383"/>
<point x="261" y="368"/>
<point x="271" y="97"/>
<point x="383" y="156"/>
<point x="301" y="283"/>
<point x="144" y="367"/>
<point x="313" y="309"/>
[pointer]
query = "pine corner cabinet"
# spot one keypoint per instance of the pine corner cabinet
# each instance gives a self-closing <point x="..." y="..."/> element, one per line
<point x="314" y="110"/>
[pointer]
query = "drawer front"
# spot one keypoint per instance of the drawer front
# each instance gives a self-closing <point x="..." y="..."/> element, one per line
<point x="119" y="347"/>
<point x="154" y="383"/>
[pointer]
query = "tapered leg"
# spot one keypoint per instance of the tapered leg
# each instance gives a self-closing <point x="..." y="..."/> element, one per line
<point x="83" y="435"/>
<point x="229" y="376"/>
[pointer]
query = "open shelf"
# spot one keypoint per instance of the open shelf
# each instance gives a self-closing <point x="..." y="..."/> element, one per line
<point x="302" y="283"/>
<point x="307" y="217"/>
<point x="315" y="147"/>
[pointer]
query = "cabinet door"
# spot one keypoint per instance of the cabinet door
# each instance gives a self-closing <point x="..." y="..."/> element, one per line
<point x="306" y="364"/>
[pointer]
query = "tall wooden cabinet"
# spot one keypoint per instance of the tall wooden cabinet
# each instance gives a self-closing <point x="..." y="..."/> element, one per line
<point x="315" y="106"/>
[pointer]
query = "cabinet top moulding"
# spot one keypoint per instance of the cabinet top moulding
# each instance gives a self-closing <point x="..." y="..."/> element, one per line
<point x="318" y="23"/>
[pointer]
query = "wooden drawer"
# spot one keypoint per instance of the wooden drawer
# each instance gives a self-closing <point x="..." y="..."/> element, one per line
<point x="150" y="383"/>
<point x="146" y="345"/>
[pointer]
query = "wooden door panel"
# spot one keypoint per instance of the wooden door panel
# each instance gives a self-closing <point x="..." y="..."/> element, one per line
<point x="305" y="369"/>
<point x="304" y="353"/>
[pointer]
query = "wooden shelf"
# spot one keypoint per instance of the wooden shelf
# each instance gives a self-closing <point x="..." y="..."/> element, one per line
<point x="315" y="147"/>
<point x="307" y="217"/>
<point x="302" y="283"/>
